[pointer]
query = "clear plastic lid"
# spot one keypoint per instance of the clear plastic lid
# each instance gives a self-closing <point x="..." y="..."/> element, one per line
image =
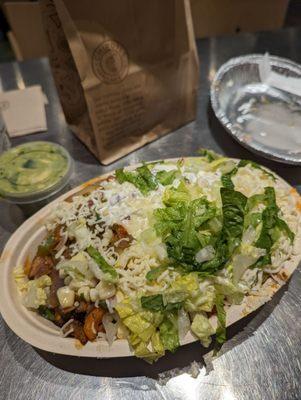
<point x="34" y="171"/>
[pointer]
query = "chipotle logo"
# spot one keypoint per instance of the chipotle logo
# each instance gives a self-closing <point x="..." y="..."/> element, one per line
<point x="110" y="62"/>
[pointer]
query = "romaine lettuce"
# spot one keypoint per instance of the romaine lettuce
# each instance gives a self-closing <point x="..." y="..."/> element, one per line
<point x="227" y="177"/>
<point x="35" y="294"/>
<point x="166" y="177"/>
<point x="144" y="179"/>
<point x="150" y="331"/>
<point x="221" y="319"/>
<point x="154" y="273"/>
<point x="110" y="274"/>
<point x="209" y="155"/>
<point x="233" y="207"/>
<point x="202" y="328"/>
<point x="154" y="302"/>
<point x="226" y="287"/>
<point x="169" y="332"/>
<point x="180" y="222"/>
<point x="271" y="222"/>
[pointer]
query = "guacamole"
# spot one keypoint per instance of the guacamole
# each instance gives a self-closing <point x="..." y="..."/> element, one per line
<point x="32" y="168"/>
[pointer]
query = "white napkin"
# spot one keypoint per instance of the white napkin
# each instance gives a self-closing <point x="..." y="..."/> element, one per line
<point x="23" y="110"/>
<point x="271" y="78"/>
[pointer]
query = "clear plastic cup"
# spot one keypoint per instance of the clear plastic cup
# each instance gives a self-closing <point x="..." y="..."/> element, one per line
<point x="34" y="173"/>
<point x="4" y="140"/>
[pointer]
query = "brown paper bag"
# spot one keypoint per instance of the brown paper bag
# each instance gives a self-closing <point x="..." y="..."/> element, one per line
<point x="126" y="70"/>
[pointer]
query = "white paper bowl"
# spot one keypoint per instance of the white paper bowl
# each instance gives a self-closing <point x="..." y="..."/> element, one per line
<point x="43" y="334"/>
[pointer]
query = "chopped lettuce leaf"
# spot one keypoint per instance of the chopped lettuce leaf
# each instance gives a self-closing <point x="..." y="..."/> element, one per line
<point x="142" y="326"/>
<point x="227" y="177"/>
<point x="110" y="274"/>
<point x="154" y="273"/>
<point x="270" y="222"/>
<point x="166" y="177"/>
<point x="221" y="319"/>
<point x="234" y="204"/>
<point x="21" y="279"/>
<point x="124" y="309"/>
<point x="254" y="201"/>
<point x="282" y="225"/>
<point x="243" y="163"/>
<point x="148" y="177"/>
<point x="149" y="236"/>
<point x="207" y="253"/>
<point x="187" y="289"/>
<point x="183" y="323"/>
<point x="174" y="306"/>
<point x="35" y="295"/>
<point x="175" y="296"/>
<point x="149" y="352"/>
<point x="79" y="270"/>
<point x="187" y="284"/>
<point x="253" y="219"/>
<point x="224" y="164"/>
<point x="233" y="207"/>
<point x="173" y="196"/>
<point x="157" y="344"/>
<point x="203" y="302"/>
<point x="209" y="155"/>
<point x="169" y="332"/>
<point x="154" y="302"/>
<point x="226" y="287"/>
<point x="247" y="256"/>
<point x="142" y="178"/>
<point x="202" y="328"/>
<point x="179" y="224"/>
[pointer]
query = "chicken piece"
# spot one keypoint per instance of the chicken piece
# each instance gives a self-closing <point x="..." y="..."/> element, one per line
<point x="82" y="310"/>
<point x="67" y="310"/>
<point x="92" y="323"/>
<point x="82" y="307"/>
<point x="57" y="235"/>
<point x="56" y="283"/>
<point x="41" y="265"/>
<point x="121" y="237"/>
<point x="58" y="319"/>
<point x="78" y="332"/>
<point x="52" y="242"/>
<point x="67" y="254"/>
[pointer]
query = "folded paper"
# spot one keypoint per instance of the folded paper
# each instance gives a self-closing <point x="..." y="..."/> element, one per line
<point x="23" y="110"/>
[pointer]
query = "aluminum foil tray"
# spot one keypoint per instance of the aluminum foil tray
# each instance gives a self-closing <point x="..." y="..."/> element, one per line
<point x="263" y="118"/>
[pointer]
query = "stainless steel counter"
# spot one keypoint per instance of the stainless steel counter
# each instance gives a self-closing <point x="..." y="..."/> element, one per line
<point x="262" y="360"/>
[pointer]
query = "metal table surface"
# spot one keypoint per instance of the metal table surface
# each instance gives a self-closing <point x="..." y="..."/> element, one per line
<point x="261" y="362"/>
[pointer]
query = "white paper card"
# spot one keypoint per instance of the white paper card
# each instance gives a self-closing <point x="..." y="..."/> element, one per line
<point x="271" y="78"/>
<point x="24" y="110"/>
